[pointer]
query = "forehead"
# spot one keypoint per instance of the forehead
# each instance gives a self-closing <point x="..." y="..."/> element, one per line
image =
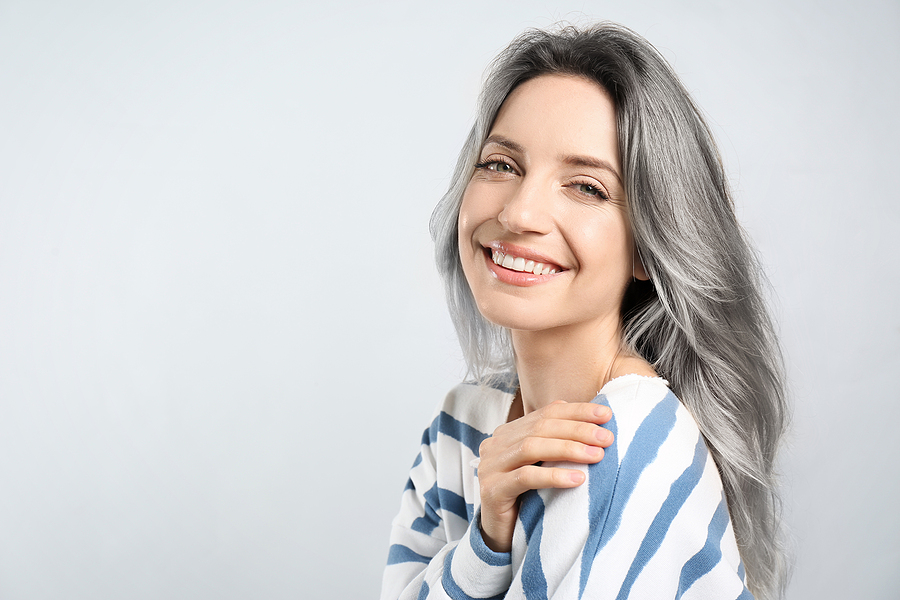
<point x="562" y="114"/>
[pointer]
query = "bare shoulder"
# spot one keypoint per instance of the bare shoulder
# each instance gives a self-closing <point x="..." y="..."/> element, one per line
<point x="632" y="365"/>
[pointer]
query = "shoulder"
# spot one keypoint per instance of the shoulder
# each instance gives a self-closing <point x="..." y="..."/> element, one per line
<point x="480" y="405"/>
<point x="652" y="516"/>
<point x="659" y="498"/>
<point x="646" y="414"/>
<point x="657" y="445"/>
<point x="473" y="401"/>
<point x="659" y="470"/>
<point x="469" y="413"/>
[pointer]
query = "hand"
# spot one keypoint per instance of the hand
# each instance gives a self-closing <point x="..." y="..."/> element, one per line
<point x="562" y="431"/>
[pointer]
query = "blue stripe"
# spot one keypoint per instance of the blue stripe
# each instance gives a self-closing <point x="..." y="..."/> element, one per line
<point x="531" y="514"/>
<point x="427" y="522"/>
<point x="508" y="383"/>
<point x="401" y="554"/>
<point x="459" y="431"/>
<point x="409" y="485"/>
<point x="440" y="499"/>
<point x="417" y="461"/>
<point x="741" y="570"/>
<point x="430" y="520"/>
<point x="607" y="503"/>
<point x="679" y="491"/>
<point x="745" y="595"/>
<point x="599" y="495"/>
<point x="452" y="588"/>
<point x="423" y="591"/>
<point x="710" y="554"/>
<point x="452" y="502"/>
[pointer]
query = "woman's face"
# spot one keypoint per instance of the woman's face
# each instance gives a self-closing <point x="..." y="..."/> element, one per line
<point x="544" y="236"/>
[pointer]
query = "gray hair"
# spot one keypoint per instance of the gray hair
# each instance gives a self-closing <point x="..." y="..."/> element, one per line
<point x="702" y="322"/>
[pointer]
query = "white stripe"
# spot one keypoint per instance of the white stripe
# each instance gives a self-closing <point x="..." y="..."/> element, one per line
<point x="561" y="554"/>
<point x="688" y="532"/>
<point x="652" y="488"/>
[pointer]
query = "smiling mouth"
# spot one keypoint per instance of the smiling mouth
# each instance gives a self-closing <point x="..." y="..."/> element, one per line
<point x="522" y="265"/>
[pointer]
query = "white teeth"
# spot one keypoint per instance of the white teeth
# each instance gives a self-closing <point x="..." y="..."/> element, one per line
<point x="517" y="263"/>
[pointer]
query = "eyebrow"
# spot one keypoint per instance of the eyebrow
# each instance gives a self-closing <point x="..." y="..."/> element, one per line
<point x="505" y="142"/>
<point x="576" y="160"/>
<point x="591" y="162"/>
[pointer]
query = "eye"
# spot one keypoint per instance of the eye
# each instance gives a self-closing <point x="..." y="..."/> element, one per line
<point x="590" y="190"/>
<point x="498" y="166"/>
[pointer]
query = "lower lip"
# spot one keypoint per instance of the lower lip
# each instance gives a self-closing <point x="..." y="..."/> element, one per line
<point x="519" y="278"/>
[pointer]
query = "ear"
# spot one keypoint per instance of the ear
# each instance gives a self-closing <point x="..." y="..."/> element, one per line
<point x="637" y="270"/>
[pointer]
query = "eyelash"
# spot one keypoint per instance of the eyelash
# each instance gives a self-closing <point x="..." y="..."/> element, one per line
<point x="488" y="163"/>
<point x="600" y="193"/>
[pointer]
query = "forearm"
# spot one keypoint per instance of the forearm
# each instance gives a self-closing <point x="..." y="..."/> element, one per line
<point x="465" y="568"/>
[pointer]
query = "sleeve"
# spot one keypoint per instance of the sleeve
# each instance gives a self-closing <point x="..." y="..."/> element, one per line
<point x="651" y="520"/>
<point x="436" y="548"/>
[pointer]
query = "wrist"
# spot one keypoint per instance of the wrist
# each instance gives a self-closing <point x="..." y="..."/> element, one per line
<point x="473" y="569"/>
<point x="494" y="543"/>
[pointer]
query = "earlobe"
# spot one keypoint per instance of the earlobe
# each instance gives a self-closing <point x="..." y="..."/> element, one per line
<point x="638" y="272"/>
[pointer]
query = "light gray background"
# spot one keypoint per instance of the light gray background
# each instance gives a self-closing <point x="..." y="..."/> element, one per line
<point x="221" y="332"/>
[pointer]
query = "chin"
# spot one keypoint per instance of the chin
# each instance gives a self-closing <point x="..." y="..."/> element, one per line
<point x="515" y="318"/>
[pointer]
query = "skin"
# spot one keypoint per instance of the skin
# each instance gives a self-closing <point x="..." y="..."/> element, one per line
<point x="549" y="186"/>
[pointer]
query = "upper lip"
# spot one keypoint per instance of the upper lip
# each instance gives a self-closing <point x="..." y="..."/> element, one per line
<point x="526" y="253"/>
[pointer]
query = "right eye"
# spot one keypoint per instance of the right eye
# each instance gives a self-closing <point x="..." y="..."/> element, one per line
<point x="498" y="166"/>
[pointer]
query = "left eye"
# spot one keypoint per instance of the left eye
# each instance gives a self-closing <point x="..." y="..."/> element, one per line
<point x="587" y="189"/>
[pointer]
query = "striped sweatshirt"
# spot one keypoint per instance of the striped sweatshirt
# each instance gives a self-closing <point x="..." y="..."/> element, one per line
<point x="650" y="521"/>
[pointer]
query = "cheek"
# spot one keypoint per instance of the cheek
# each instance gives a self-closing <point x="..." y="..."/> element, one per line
<point x="465" y="226"/>
<point x="469" y="219"/>
<point x="463" y="234"/>
<point x="606" y="243"/>
<point x="481" y="202"/>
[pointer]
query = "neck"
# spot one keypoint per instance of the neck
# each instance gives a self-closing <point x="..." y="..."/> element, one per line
<point x="570" y="363"/>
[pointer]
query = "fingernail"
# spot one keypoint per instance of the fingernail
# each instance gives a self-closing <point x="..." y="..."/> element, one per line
<point x="576" y="476"/>
<point x="593" y="450"/>
<point x="601" y="411"/>
<point x="602" y="434"/>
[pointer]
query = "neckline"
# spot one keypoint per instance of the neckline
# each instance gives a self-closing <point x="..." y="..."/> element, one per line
<point x="633" y="375"/>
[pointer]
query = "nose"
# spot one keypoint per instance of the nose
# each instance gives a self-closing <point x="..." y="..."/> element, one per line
<point x="527" y="210"/>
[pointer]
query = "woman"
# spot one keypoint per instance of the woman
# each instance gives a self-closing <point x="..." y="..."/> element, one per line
<point x="588" y="242"/>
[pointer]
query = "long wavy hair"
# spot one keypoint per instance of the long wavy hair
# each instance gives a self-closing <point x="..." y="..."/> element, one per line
<point x="701" y="320"/>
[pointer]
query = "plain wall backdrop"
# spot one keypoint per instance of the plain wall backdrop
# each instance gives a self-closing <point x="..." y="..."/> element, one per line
<point x="221" y="330"/>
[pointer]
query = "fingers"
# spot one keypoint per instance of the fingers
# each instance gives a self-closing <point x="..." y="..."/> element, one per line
<point x="586" y="433"/>
<point x="500" y="492"/>
<point x="537" y="478"/>
<point x="559" y="432"/>
<point x="499" y="499"/>
<point x="500" y="456"/>
<point x="546" y="435"/>
<point x="533" y="450"/>
<point x="575" y="411"/>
